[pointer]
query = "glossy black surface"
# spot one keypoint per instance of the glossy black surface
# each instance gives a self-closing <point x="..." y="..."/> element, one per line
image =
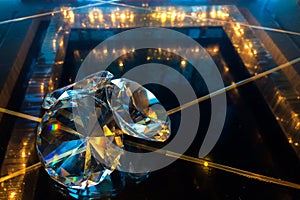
<point x="251" y="139"/>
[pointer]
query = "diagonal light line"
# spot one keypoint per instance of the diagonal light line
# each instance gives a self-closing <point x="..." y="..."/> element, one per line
<point x="72" y="152"/>
<point x="54" y="12"/>
<point x="21" y="172"/>
<point x="211" y="19"/>
<point x="199" y="161"/>
<point x="214" y="165"/>
<point x="169" y="153"/>
<point x="233" y="86"/>
<point x="18" y="114"/>
<point x="184" y="157"/>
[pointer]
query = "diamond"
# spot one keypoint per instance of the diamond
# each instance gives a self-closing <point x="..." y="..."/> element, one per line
<point x="79" y="139"/>
<point x="137" y="111"/>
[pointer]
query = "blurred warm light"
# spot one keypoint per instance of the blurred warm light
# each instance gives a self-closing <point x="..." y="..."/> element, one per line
<point x="54" y="44"/>
<point x="205" y="164"/>
<point x="183" y="63"/>
<point x="113" y="17"/>
<point x="213" y="14"/>
<point x="163" y="17"/>
<point x="68" y="14"/>
<point x="226" y="69"/>
<point x="297" y="125"/>
<point x="216" y="49"/>
<point x="123" y="17"/>
<point x="61" y="43"/>
<point x="12" y="195"/>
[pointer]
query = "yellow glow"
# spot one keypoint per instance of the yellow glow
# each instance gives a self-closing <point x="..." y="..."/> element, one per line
<point x="152" y="114"/>
<point x="54" y="44"/>
<point x="237" y="33"/>
<point x="64" y="13"/>
<point x="296" y="144"/>
<point x="61" y="43"/>
<point x="91" y="17"/>
<point x="181" y="16"/>
<point x="23" y="154"/>
<point x="226" y="69"/>
<point x="131" y="17"/>
<point x="12" y="195"/>
<point x="216" y="49"/>
<point x="121" y="64"/>
<point x="290" y="140"/>
<point x="107" y="131"/>
<point x="297" y="125"/>
<point x="25" y="143"/>
<point x="224" y="15"/>
<point x="123" y="17"/>
<point x="119" y="141"/>
<point x="203" y="15"/>
<point x="148" y="58"/>
<point x="205" y="164"/>
<point x="173" y="16"/>
<point x="71" y="16"/>
<point x="183" y="63"/>
<point x="113" y="17"/>
<point x="242" y="31"/>
<point x="163" y="17"/>
<point x="213" y="14"/>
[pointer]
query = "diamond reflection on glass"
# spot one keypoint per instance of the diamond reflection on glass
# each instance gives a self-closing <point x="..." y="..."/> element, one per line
<point x="80" y="149"/>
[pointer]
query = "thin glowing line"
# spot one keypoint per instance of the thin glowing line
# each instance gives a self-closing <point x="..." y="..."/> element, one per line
<point x="174" y="155"/>
<point x="184" y="157"/>
<point x="18" y="114"/>
<point x="233" y="86"/>
<point x="54" y="12"/>
<point x="199" y="161"/>
<point x="217" y="166"/>
<point x="217" y="20"/>
<point x="21" y="172"/>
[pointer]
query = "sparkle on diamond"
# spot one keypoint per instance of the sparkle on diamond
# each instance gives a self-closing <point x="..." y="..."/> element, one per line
<point x="79" y="140"/>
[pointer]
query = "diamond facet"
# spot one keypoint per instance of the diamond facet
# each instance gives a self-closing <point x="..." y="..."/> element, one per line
<point x="79" y="139"/>
<point x="137" y="111"/>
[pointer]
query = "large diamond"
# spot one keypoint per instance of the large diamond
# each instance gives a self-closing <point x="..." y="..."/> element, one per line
<point x="79" y="139"/>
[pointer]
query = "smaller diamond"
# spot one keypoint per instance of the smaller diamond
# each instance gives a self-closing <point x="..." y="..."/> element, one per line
<point x="137" y="111"/>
